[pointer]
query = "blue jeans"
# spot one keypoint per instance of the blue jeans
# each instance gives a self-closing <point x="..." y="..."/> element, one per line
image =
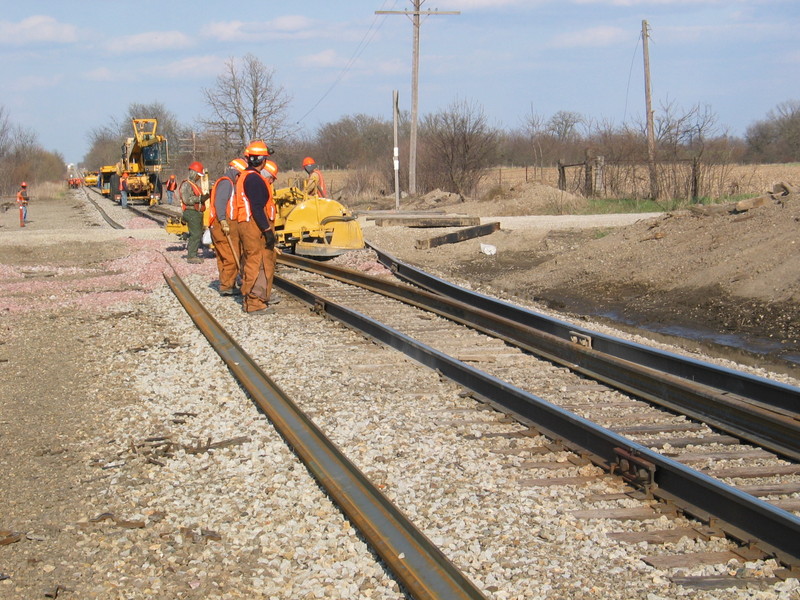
<point x="123" y="199"/>
<point x="170" y="196"/>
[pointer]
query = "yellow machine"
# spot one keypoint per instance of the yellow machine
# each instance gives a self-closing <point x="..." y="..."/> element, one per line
<point x="314" y="227"/>
<point x="143" y="157"/>
<point x="90" y="179"/>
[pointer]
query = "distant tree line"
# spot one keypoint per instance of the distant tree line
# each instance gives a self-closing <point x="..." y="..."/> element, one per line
<point x="456" y="145"/>
<point x="22" y="157"/>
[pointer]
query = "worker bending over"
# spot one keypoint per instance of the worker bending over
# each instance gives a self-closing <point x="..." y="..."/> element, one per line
<point x="255" y="231"/>
<point x="224" y="227"/>
<point x="315" y="183"/>
<point x="193" y="205"/>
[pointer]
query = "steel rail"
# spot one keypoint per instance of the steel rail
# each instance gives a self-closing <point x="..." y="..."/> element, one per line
<point x="773" y="394"/>
<point x="109" y="220"/>
<point x="738" y="416"/>
<point x="738" y="514"/>
<point x="416" y="562"/>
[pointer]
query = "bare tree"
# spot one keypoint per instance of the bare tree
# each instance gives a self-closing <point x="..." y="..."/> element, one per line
<point x="457" y="145"/>
<point x="564" y="125"/>
<point x="247" y="104"/>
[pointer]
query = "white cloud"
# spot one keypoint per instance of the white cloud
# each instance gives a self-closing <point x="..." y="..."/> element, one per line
<point x="36" y="82"/>
<point x="285" y="27"/>
<point x="103" y="74"/>
<point x="193" y="67"/>
<point x="479" y="4"/>
<point x="322" y="60"/>
<point x="37" y="29"/>
<point x="151" y="41"/>
<point x="592" y="37"/>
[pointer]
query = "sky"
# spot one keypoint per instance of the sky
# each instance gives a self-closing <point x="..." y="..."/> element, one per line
<point x="69" y="66"/>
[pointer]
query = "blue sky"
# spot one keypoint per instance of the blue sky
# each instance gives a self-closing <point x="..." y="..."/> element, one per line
<point x="68" y="66"/>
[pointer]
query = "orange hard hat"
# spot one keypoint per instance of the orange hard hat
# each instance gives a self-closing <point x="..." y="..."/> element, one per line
<point x="23" y="184"/>
<point x="257" y="148"/>
<point x="239" y="164"/>
<point x="197" y="167"/>
<point x="125" y="174"/>
<point x="308" y="161"/>
<point x="272" y="168"/>
<point x="172" y="176"/>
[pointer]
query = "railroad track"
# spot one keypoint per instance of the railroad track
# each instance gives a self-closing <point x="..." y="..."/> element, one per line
<point x="555" y="457"/>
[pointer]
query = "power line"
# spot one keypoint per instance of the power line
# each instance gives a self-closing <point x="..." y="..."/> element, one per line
<point x="362" y="45"/>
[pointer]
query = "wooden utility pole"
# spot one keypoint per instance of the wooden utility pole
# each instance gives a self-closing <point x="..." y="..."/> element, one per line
<point x="396" y="151"/>
<point x="415" y="14"/>
<point x="651" y="136"/>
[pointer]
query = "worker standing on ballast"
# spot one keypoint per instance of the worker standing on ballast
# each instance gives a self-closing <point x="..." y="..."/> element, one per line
<point x="257" y="236"/>
<point x="22" y="202"/>
<point x="224" y="227"/>
<point x="315" y="183"/>
<point x="193" y="205"/>
<point x="270" y="174"/>
<point x="172" y="185"/>
<point x="123" y="190"/>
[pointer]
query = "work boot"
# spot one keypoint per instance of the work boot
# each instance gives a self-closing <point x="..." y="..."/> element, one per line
<point x="195" y="261"/>
<point x="228" y="292"/>
<point x="274" y="298"/>
<point x="263" y="311"/>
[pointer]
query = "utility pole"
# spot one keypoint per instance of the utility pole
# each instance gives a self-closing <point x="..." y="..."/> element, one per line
<point x="651" y="136"/>
<point x="396" y="152"/>
<point x="415" y="14"/>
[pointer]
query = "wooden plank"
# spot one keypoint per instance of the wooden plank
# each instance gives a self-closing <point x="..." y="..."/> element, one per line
<point x="692" y="457"/>
<point x="682" y="442"/>
<point x="721" y="582"/>
<point x="788" y="504"/>
<point x="658" y="428"/>
<point x="676" y="561"/>
<point x="554" y="481"/>
<point x="644" y="513"/>
<point x="662" y="536"/>
<point x="458" y="236"/>
<point x="770" y="489"/>
<point x="430" y="221"/>
<point x="550" y="465"/>
<point x="752" y="472"/>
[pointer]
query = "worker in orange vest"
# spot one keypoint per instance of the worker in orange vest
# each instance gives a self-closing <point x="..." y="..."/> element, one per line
<point x="193" y="205"/>
<point x="172" y="185"/>
<point x="123" y="190"/>
<point x="251" y="197"/>
<point x="315" y="184"/>
<point x="22" y="202"/>
<point x="224" y="227"/>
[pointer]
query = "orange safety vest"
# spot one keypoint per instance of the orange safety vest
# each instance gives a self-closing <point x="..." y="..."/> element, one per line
<point x="323" y="191"/>
<point x="212" y="209"/>
<point x="240" y="207"/>
<point x="199" y="206"/>
<point x="172" y="184"/>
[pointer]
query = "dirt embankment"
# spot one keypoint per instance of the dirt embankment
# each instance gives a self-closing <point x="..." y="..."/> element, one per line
<point x="717" y="270"/>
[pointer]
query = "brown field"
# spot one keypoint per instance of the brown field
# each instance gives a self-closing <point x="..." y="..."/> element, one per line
<point x="728" y="181"/>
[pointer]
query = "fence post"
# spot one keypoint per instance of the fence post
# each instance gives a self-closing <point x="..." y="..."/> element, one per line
<point x="695" y="180"/>
<point x="599" y="176"/>
<point x="562" y="176"/>
<point x="587" y="178"/>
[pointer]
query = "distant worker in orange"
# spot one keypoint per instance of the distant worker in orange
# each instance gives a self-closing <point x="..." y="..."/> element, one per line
<point x="123" y="190"/>
<point x="172" y="185"/>
<point x="315" y="183"/>
<point x="193" y="205"/>
<point x="224" y="227"/>
<point x="252" y="196"/>
<point x="22" y="202"/>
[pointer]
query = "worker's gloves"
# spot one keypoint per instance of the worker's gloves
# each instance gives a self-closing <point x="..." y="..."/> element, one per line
<point x="226" y="228"/>
<point x="269" y="239"/>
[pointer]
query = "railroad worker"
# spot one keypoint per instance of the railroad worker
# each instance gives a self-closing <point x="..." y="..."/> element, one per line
<point x="193" y="205"/>
<point x="172" y="185"/>
<point x="22" y="202"/>
<point x="251" y="198"/>
<point x="123" y="190"/>
<point x="270" y="174"/>
<point x="224" y="228"/>
<point x="315" y="184"/>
